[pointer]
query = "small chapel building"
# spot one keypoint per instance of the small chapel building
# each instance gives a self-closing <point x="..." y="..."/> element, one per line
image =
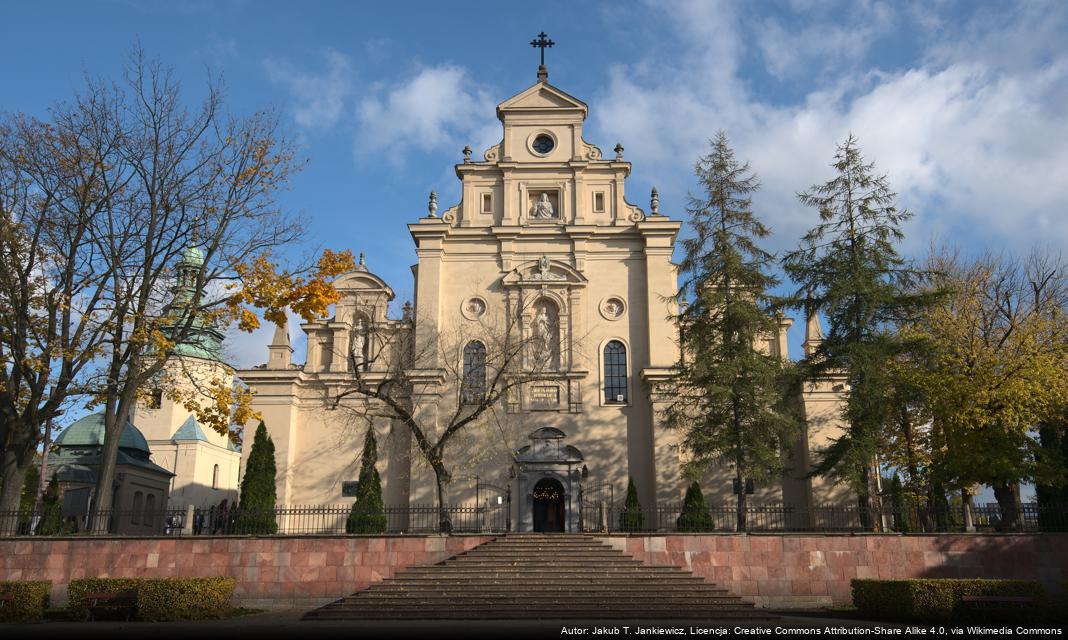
<point x="545" y="240"/>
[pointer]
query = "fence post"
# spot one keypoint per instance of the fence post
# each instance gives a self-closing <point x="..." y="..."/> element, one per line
<point x="187" y="524"/>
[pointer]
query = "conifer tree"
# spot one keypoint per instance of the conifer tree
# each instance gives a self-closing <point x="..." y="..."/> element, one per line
<point x="729" y="393"/>
<point x="51" y="520"/>
<point x="258" y="492"/>
<point x="368" y="514"/>
<point x="848" y="269"/>
<point x="902" y="515"/>
<point x="631" y="517"/>
<point x="695" y="515"/>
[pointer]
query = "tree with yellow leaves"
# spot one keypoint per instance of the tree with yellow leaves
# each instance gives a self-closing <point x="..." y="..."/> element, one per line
<point x="998" y="368"/>
<point x="131" y="226"/>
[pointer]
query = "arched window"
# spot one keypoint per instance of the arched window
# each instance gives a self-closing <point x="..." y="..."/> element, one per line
<point x="135" y="517"/>
<point x="215" y="477"/>
<point x="474" y="382"/>
<point x="615" y="373"/>
<point x="150" y="509"/>
<point x="326" y="352"/>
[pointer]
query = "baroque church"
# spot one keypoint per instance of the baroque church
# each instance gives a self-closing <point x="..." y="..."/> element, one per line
<point x="545" y="243"/>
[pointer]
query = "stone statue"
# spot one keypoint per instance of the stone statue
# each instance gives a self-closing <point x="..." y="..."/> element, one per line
<point x="545" y="336"/>
<point x="543" y="209"/>
<point x="359" y="341"/>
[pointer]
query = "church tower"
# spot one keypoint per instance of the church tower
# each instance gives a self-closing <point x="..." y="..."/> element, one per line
<point x="206" y="464"/>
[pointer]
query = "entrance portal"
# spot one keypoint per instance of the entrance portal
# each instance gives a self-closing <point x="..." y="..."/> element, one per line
<point x="549" y="506"/>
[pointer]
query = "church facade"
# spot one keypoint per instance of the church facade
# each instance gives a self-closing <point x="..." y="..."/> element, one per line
<point x="544" y="249"/>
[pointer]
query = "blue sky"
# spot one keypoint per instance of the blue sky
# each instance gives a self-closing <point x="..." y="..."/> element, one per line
<point x="962" y="104"/>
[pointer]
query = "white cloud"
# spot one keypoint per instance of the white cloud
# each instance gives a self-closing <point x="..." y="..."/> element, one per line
<point x="437" y="108"/>
<point x="974" y="142"/>
<point x="789" y="50"/>
<point x="319" y="97"/>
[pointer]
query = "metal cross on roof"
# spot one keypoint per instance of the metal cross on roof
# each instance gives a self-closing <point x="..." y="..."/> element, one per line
<point x="542" y="43"/>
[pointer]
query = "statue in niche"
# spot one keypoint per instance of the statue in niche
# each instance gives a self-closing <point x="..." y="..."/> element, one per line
<point x="543" y="209"/>
<point x="359" y="342"/>
<point x="547" y="337"/>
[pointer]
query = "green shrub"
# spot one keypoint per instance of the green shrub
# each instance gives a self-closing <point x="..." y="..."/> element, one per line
<point x="30" y="600"/>
<point x="183" y="598"/>
<point x="932" y="600"/>
<point x="255" y="512"/>
<point x="368" y="515"/>
<point x="695" y="515"/>
<point x="79" y="588"/>
<point x="159" y="599"/>
<point x="631" y="517"/>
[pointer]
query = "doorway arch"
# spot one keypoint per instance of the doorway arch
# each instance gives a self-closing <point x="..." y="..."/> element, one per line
<point x="549" y="506"/>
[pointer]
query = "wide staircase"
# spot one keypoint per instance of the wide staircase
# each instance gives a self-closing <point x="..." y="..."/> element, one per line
<point x="541" y="576"/>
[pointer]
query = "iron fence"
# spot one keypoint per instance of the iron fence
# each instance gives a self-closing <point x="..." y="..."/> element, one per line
<point x="595" y="516"/>
<point x="673" y="517"/>
<point x="290" y="520"/>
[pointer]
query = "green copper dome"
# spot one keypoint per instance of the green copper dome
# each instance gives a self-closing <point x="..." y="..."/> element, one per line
<point x="89" y="432"/>
<point x="192" y="256"/>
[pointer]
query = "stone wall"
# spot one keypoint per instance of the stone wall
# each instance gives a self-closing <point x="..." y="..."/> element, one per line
<point x="805" y="570"/>
<point x="276" y="571"/>
<point x="772" y="570"/>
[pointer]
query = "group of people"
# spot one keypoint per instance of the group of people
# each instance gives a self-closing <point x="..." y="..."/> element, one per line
<point x="215" y="520"/>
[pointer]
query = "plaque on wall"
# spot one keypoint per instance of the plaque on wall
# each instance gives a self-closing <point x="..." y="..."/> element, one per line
<point x="545" y="397"/>
<point x="349" y="488"/>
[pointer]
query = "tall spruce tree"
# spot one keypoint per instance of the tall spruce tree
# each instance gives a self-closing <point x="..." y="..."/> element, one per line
<point x="51" y="520"/>
<point x="631" y="518"/>
<point x="368" y="515"/>
<point x="730" y="392"/>
<point x="848" y="269"/>
<point x="695" y="516"/>
<point x="258" y="492"/>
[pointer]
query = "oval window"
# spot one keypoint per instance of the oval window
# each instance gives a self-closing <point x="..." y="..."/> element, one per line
<point x="543" y="144"/>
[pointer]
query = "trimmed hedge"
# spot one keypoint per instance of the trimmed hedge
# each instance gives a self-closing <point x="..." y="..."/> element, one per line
<point x="31" y="599"/>
<point x="160" y="599"/>
<point x="932" y="600"/>
<point x="79" y="588"/>
<point x="183" y="598"/>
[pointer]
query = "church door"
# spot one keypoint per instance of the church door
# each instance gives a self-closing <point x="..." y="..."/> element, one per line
<point x="549" y="506"/>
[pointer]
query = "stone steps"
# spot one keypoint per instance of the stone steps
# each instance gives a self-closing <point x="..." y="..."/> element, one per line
<point x="537" y="576"/>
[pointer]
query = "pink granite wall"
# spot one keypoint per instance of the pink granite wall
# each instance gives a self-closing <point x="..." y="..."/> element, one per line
<point x="772" y="570"/>
<point x="811" y="570"/>
<point x="269" y="571"/>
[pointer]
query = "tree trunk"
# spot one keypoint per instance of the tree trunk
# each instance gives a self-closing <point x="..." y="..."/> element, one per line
<point x="864" y="501"/>
<point x="1008" y="496"/>
<point x="966" y="507"/>
<point x="14" y="471"/>
<point x="102" y="504"/>
<point x="742" y="524"/>
<point x="444" y="521"/>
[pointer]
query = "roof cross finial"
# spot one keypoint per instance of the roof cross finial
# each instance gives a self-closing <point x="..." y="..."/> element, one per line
<point x="542" y="42"/>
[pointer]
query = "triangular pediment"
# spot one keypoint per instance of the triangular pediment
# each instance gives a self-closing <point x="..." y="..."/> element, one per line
<point x="542" y="96"/>
<point x="544" y="272"/>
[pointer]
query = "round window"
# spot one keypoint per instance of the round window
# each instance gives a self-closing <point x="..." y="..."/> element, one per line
<point x="543" y="144"/>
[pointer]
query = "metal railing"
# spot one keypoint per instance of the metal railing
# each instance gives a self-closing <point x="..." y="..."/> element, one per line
<point x="673" y="517"/>
<point x="291" y="520"/>
<point x="595" y="516"/>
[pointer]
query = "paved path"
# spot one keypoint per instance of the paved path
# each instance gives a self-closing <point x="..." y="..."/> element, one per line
<point x="287" y="624"/>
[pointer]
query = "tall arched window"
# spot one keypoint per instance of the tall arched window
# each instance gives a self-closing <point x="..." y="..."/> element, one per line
<point x="215" y="477"/>
<point x="135" y="517"/>
<point x="615" y="373"/>
<point x="474" y="383"/>
<point x="150" y="509"/>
